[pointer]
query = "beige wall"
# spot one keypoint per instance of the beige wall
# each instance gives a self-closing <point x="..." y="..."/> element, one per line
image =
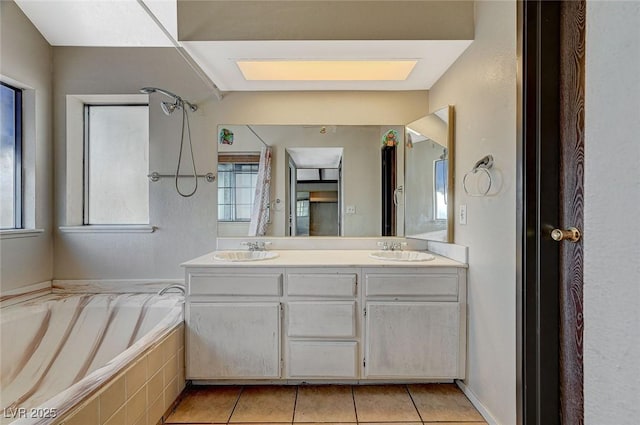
<point x="611" y="204"/>
<point x="186" y="227"/>
<point x="26" y="59"/>
<point x="482" y="87"/>
<point x="325" y="20"/>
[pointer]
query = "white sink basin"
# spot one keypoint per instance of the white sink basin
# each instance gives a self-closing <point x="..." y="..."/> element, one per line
<point x="244" y="255"/>
<point x="401" y="256"/>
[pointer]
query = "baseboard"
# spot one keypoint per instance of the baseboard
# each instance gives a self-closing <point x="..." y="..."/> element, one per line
<point x="112" y="286"/>
<point x="25" y="293"/>
<point x="477" y="404"/>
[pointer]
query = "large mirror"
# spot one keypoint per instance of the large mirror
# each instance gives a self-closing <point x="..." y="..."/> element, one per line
<point x="324" y="180"/>
<point x="429" y="177"/>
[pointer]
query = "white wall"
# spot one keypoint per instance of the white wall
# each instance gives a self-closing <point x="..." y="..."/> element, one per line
<point x="26" y="59"/>
<point x="186" y="227"/>
<point x="482" y="87"/>
<point x="611" y="205"/>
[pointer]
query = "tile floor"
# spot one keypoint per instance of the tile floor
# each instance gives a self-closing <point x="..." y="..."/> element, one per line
<point x="327" y="404"/>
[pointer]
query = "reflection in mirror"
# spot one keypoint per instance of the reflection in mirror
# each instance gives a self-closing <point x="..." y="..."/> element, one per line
<point x="314" y="176"/>
<point x="325" y="181"/>
<point x="428" y="177"/>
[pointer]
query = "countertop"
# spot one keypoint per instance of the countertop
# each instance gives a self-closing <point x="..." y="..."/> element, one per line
<point x="322" y="258"/>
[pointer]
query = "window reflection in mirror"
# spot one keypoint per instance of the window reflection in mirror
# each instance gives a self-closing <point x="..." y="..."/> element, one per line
<point x="428" y="177"/>
<point x="236" y="189"/>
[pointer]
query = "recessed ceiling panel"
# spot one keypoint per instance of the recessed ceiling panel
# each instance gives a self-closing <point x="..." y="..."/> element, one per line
<point x="325" y="70"/>
<point x="219" y="59"/>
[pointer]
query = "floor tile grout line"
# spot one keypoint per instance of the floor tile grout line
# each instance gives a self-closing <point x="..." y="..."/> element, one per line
<point x="236" y="403"/>
<point x="415" y="406"/>
<point x="295" y="403"/>
<point x="355" y="407"/>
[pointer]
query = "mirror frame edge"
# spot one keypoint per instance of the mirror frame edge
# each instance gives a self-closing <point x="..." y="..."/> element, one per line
<point x="451" y="212"/>
<point x="450" y="177"/>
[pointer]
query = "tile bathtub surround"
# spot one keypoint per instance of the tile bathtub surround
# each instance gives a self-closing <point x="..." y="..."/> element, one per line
<point x="326" y="404"/>
<point x="142" y="393"/>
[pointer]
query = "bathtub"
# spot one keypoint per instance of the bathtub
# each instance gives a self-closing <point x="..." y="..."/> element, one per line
<point x="90" y="359"/>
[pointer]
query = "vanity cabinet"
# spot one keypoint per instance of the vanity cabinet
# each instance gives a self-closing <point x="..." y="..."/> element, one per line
<point x="234" y="324"/>
<point x="385" y="323"/>
<point x="321" y="323"/>
<point x="234" y="340"/>
<point x="415" y="324"/>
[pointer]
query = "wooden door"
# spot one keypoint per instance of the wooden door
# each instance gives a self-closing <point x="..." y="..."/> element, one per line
<point x="550" y="197"/>
<point x="293" y="198"/>
<point x="388" y="191"/>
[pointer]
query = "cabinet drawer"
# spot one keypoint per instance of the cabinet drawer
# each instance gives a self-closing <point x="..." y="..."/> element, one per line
<point x="236" y="284"/>
<point x="438" y="287"/>
<point x="314" y="359"/>
<point x="322" y="319"/>
<point x="321" y="285"/>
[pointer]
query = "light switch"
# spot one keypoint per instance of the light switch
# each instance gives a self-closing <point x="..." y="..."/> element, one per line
<point x="462" y="215"/>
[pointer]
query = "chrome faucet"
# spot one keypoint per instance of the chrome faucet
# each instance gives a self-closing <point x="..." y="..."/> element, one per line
<point x="256" y="246"/>
<point x="177" y="286"/>
<point x="391" y="246"/>
<point x="384" y="245"/>
<point x="398" y="246"/>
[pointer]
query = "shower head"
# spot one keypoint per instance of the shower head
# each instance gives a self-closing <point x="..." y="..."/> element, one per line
<point x="168" y="107"/>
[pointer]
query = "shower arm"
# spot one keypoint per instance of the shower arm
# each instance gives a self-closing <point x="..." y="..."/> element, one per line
<point x="192" y="107"/>
<point x="177" y="99"/>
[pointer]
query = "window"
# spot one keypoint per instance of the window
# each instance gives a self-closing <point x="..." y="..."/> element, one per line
<point x="302" y="208"/>
<point x="11" y="158"/>
<point x="116" y="163"/>
<point x="440" y="175"/>
<point x="236" y="190"/>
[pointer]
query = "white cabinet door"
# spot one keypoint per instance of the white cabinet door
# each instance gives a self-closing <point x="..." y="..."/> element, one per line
<point x="233" y="340"/>
<point x="323" y="359"/>
<point x="412" y="340"/>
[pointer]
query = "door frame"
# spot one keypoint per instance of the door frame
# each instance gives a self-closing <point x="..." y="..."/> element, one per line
<point x="550" y="158"/>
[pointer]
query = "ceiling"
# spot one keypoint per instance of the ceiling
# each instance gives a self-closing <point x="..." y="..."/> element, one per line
<point x="316" y="157"/>
<point x="117" y="23"/>
<point x="125" y="23"/>
<point x="218" y="60"/>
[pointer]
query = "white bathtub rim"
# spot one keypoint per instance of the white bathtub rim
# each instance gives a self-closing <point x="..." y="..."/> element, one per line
<point x="66" y="401"/>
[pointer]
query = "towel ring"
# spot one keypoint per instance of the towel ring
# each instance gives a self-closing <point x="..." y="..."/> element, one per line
<point x="482" y="165"/>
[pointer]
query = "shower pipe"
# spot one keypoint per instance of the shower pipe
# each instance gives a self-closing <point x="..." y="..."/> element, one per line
<point x="169" y="108"/>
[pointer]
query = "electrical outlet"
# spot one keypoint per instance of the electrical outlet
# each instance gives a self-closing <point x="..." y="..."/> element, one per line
<point x="350" y="209"/>
<point x="462" y="214"/>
